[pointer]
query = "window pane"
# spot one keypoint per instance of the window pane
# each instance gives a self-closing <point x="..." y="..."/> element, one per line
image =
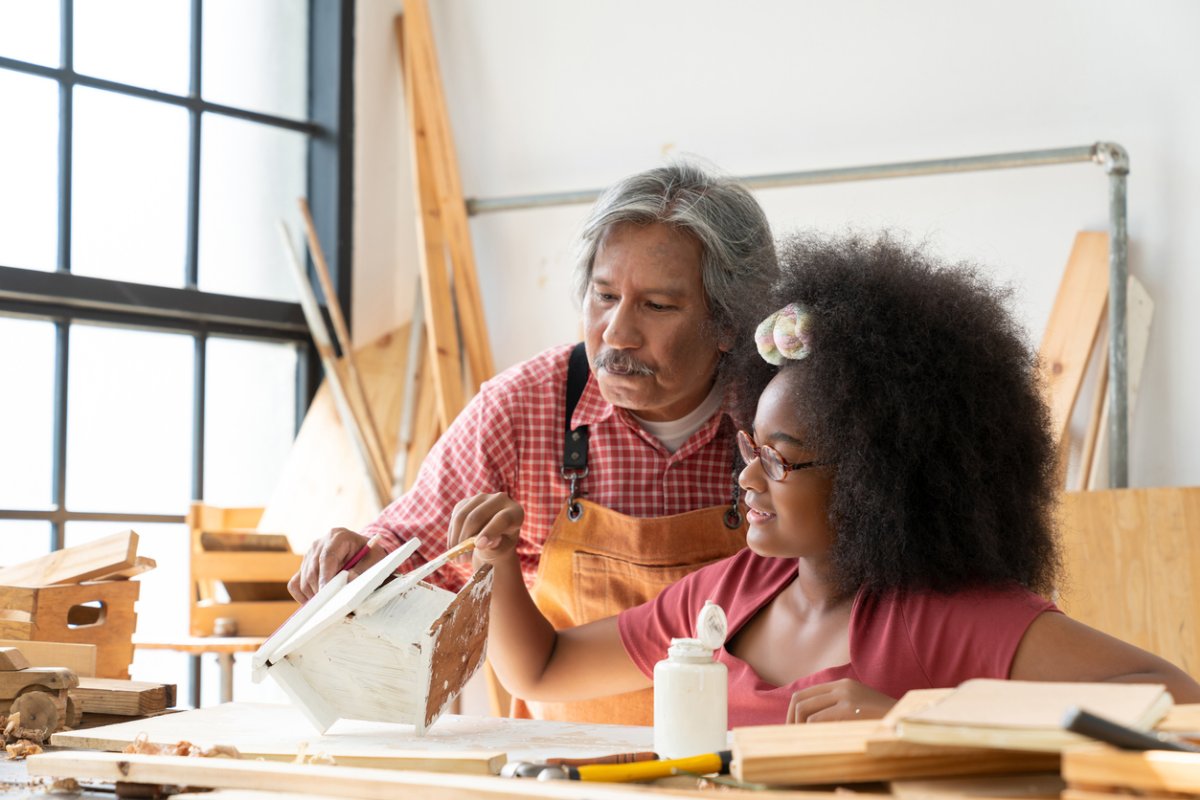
<point x="26" y="415"/>
<point x="129" y="204"/>
<point x="255" y="55"/>
<point x="22" y="540"/>
<point x="139" y="42"/>
<point x="251" y="176"/>
<point x="129" y="421"/>
<point x="29" y="31"/>
<point x="28" y="170"/>
<point x="162" y="606"/>
<point x="250" y="399"/>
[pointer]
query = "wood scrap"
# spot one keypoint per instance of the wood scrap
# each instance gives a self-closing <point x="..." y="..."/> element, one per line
<point x="79" y="658"/>
<point x="11" y="659"/>
<point x="126" y="698"/>
<point x="75" y="564"/>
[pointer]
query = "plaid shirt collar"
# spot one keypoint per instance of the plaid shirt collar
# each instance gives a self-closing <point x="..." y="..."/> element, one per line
<point x="593" y="408"/>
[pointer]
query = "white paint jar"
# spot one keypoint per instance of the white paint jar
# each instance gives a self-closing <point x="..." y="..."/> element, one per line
<point x="691" y="692"/>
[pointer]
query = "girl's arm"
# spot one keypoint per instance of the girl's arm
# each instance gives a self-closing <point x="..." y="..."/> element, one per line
<point x="1058" y="648"/>
<point x="532" y="660"/>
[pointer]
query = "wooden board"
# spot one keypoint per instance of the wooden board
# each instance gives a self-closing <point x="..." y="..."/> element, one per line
<point x="1153" y="771"/>
<point x="836" y="752"/>
<point x="75" y="564"/>
<point x="1006" y="787"/>
<point x="321" y="486"/>
<point x="79" y="658"/>
<point x="305" y="780"/>
<point x="1073" y="325"/>
<point x="125" y="698"/>
<point x="1146" y="541"/>
<point x="279" y="732"/>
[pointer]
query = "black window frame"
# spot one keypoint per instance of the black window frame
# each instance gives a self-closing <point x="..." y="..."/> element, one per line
<point x="62" y="297"/>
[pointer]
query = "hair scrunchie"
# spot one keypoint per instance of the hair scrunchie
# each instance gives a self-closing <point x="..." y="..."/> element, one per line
<point x="784" y="335"/>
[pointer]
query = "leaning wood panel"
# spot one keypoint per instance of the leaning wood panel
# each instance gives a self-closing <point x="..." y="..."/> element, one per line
<point x="1132" y="567"/>
<point x="1073" y="326"/>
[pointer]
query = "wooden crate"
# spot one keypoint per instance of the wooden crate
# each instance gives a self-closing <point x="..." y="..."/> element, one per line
<point x="228" y="553"/>
<point x="65" y="614"/>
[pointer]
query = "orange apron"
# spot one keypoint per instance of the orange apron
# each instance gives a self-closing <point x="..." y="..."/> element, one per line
<point x="597" y="562"/>
<point x="604" y="562"/>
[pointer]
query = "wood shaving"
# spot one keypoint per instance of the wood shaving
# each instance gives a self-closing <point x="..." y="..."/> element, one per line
<point x="13" y="732"/>
<point x="21" y="748"/>
<point x="142" y="745"/>
<point x="64" y="786"/>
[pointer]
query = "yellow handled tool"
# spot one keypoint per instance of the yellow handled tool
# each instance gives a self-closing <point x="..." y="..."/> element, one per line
<point x="642" y="770"/>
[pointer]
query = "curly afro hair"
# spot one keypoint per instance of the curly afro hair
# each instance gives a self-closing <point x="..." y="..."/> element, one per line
<point x="922" y="394"/>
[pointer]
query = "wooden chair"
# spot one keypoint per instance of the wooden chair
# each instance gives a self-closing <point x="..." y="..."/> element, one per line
<point x="1132" y="567"/>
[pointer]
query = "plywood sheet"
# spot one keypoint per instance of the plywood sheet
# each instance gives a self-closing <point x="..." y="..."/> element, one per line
<point x="278" y="732"/>
<point x="1147" y="542"/>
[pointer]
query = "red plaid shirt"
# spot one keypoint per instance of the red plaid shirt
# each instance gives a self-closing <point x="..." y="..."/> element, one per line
<point x="509" y="439"/>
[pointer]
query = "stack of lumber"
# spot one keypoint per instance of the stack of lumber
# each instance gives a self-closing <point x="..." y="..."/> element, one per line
<point x="1104" y="773"/>
<point x="80" y="594"/>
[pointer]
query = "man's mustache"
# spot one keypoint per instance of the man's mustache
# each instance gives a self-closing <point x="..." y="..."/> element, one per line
<point x="620" y="362"/>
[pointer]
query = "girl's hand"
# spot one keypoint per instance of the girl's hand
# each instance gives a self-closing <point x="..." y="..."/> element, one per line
<point x="838" y="700"/>
<point x="494" y="519"/>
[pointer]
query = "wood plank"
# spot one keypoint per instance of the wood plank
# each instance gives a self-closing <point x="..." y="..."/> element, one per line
<point x="426" y="426"/>
<point x="125" y="698"/>
<point x="339" y="781"/>
<point x="140" y="565"/>
<point x="1073" y="326"/>
<point x="244" y="541"/>
<point x="423" y="62"/>
<point x="79" y="658"/>
<point x="1006" y="787"/>
<point x="435" y="283"/>
<point x="1154" y="771"/>
<point x="75" y="564"/>
<point x="836" y="752"/>
<point x="243" y="566"/>
<point x="320" y="486"/>
<point x="351" y="423"/>
<point x="281" y="731"/>
<point x="1127" y="538"/>
<point x="11" y="659"/>
<point x="357" y="396"/>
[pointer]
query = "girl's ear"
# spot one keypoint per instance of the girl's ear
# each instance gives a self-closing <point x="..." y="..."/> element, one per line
<point x="725" y="340"/>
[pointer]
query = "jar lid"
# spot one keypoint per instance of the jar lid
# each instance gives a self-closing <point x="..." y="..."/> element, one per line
<point x="711" y="626"/>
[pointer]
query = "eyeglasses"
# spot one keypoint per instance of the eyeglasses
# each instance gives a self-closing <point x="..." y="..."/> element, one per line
<point x="773" y="465"/>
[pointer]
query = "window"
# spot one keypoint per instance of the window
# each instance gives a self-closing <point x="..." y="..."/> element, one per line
<point x="151" y="347"/>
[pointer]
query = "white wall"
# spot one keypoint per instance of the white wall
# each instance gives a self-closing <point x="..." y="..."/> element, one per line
<point x="556" y="95"/>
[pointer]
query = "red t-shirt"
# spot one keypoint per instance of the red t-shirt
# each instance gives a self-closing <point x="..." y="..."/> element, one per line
<point x="898" y="642"/>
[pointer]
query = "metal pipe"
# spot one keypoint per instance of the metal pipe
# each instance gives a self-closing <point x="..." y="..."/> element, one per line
<point x="1115" y="161"/>
<point x="1109" y="155"/>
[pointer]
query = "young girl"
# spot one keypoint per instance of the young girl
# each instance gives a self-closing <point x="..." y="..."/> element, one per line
<point x="899" y="484"/>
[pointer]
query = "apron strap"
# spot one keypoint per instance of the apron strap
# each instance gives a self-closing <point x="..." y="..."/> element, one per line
<point x="575" y="442"/>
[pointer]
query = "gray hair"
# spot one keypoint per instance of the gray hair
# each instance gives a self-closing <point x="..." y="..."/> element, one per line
<point x="739" y="262"/>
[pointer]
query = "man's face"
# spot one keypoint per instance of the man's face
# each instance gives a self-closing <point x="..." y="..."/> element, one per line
<point x="646" y="322"/>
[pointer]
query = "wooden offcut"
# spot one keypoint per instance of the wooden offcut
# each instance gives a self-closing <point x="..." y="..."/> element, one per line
<point x="79" y="658"/>
<point x="1131" y="559"/>
<point x="77" y="563"/>
<point x="123" y="698"/>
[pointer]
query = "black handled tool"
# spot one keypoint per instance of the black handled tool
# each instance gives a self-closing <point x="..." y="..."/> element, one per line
<point x="1088" y="724"/>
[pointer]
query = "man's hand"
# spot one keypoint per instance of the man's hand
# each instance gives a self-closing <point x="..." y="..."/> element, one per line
<point x="325" y="559"/>
<point x="838" y="700"/>
<point x="494" y="519"/>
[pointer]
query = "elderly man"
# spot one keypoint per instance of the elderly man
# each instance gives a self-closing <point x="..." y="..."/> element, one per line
<point x="673" y="262"/>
